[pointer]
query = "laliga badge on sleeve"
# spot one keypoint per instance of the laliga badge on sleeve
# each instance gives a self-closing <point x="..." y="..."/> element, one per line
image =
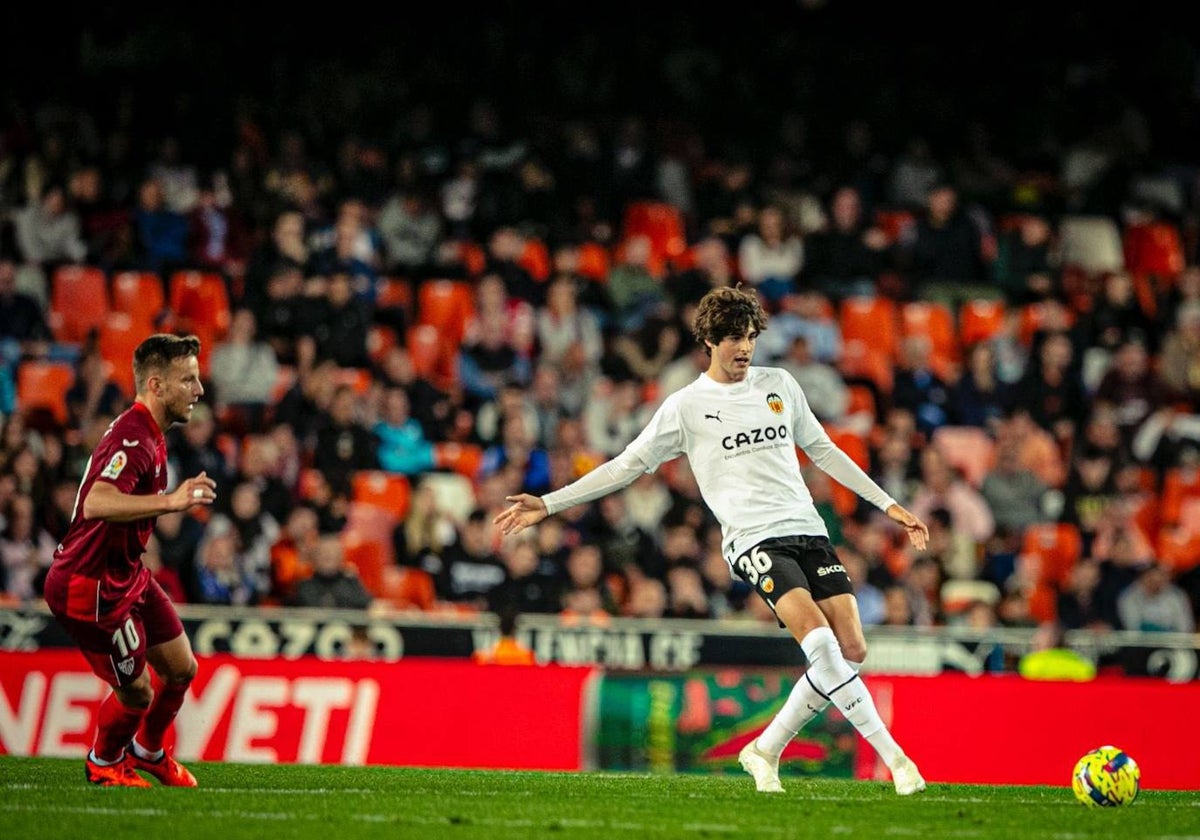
<point x="115" y="465"/>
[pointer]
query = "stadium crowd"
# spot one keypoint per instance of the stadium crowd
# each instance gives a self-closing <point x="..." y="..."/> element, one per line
<point x="402" y="329"/>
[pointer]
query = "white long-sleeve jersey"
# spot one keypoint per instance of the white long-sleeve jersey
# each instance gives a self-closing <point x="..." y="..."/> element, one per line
<point x="740" y="440"/>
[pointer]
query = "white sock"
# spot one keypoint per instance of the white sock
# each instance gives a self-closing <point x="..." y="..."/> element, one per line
<point x="92" y="758"/>
<point x="801" y="706"/>
<point x="833" y="677"/>
<point x="145" y="754"/>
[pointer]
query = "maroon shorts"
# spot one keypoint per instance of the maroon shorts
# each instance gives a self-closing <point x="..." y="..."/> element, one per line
<point x="115" y="645"/>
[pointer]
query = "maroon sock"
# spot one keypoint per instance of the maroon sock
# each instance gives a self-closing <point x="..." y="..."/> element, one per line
<point x="167" y="700"/>
<point x="115" y="726"/>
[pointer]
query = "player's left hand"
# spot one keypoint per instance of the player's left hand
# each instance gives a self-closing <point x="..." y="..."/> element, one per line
<point x="200" y="490"/>
<point x="918" y="531"/>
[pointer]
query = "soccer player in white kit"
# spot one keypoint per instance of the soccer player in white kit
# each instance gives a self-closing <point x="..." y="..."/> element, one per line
<point x="739" y="427"/>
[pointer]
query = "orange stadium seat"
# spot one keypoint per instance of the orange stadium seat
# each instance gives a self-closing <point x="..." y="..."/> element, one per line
<point x="871" y="319"/>
<point x="43" y="385"/>
<point x="119" y="337"/>
<point x="660" y="221"/>
<point x="199" y="304"/>
<point x="1180" y="484"/>
<point x="1057" y="547"/>
<point x="463" y="458"/>
<point x="395" y="293"/>
<point x="388" y="491"/>
<point x="535" y="258"/>
<point x="78" y="302"/>
<point x="979" y="320"/>
<point x="1154" y="248"/>
<point x="139" y="294"/>
<point x="473" y="257"/>
<point x="446" y="305"/>
<point x="380" y="340"/>
<point x="935" y="320"/>
<point x="369" y="558"/>
<point x="594" y="261"/>
<point x="859" y="360"/>
<point x="433" y="359"/>
<point x="407" y="588"/>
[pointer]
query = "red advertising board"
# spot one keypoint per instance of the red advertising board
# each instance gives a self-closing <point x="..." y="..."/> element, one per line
<point x="1006" y="729"/>
<point x="418" y="713"/>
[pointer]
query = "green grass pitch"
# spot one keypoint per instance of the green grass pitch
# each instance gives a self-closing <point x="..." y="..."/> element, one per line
<point x="43" y="799"/>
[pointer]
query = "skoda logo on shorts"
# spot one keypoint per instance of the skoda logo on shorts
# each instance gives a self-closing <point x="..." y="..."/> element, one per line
<point x="767" y="584"/>
<point x="775" y="402"/>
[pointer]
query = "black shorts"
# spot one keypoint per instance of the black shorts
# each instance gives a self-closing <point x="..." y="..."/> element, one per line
<point x="780" y="564"/>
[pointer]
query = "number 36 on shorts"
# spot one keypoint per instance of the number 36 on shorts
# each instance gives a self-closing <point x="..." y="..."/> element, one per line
<point x="754" y="564"/>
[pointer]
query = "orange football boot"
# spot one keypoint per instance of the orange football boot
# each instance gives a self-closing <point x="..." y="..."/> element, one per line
<point x="120" y="774"/>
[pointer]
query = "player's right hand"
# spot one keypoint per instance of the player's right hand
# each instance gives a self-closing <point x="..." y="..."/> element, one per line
<point x="200" y="490"/>
<point x="525" y="510"/>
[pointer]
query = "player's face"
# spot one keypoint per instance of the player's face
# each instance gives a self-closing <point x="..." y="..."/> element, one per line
<point x="179" y="389"/>
<point x="731" y="357"/>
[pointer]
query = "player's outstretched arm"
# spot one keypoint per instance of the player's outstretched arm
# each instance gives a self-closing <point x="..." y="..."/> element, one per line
<point x="525" y="510"/>
<point x="918" y="531"/>
<point x="106" y="501"/>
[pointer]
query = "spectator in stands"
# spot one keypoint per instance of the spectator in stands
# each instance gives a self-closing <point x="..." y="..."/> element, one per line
<point x="504" y="249"/>
<point x="895" y="467"/>
<point x="193" y="449"/>
<point x="23" y="329"/>
<point x="686" y="597"/>
<point x="1078" y="604"/>
<point x="93" y="393"/>
<point x="333" y="584"/>
<point x="344" y="445"/>
<point x="946" y="255"/>
<point x="293" y="552"/>
<point x="402" y="445"/>
<point x="215" y="239"/>
<point x="633" y="287"/>
<point x="918" y="388"/>
<point x="1180" y="362"/>
<point x="420" y="540"/>
<point x="47" y="230"/>
<point x="643" y="353"/>
<point x="979" y="397"/>
<point x="342" y="322"/>
<point x="528" y="586"/>
<point x="1132" y="387"/>
<point x="1089" y="492"/>
<point x="1153" y="604"/>
<point x="470" y="567"/>
<point x="648" y="501"/>
<point x="611" y="417"/>
<point x="771" y="257"/>
<point x="488" y="360"/>
<point x="219" y="577"/>
<point x="26" y="550"/>
<point x="623" y="544"/>
<point x="517" y="450"/>
<point x="1013" y="492"/>
<point x="410" y="229"/>
<point x="897" y="607"/>
<point x="943" y="486"/>
<point x="260" y="462"/>
<point x="160" y="234"/>
<point x="284" y="315"/>
<point x="822" y="384"/>
<point x="244" y="372"/>
<point x="1023" y="269"/>
<point x="562" y="325"/>
<point x="286" y="245"/>
<point x="433" y="408"/>
<point x="714" y="267"/>
<point x="1051" y="659"/>
<point x="845" y="256"/>
<point x="1051" y="389"/>
<point x="586" y="592"/>
<point x="1116" y="317"/>
<point x="254" y="531"/>
<point x="348" y="247"/>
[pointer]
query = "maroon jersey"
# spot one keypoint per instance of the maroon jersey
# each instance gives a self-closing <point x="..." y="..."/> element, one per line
<point x="98" y="562"/>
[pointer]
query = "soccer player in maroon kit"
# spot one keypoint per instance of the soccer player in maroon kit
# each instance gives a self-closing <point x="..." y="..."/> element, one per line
<point x="98" y="588"/>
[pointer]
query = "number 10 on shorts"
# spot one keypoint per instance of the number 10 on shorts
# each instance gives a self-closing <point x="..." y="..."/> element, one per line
<point x="126" y="639"/>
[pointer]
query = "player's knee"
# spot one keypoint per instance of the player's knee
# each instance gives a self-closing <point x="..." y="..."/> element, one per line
<point x="183" y="676"/>
<point x="855" y="651"/>
<point x="137" y="695"/>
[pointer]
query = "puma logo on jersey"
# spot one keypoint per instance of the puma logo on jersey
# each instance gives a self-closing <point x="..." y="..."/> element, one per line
<point x="716" y="417"/>
<point x="129" y="443"/>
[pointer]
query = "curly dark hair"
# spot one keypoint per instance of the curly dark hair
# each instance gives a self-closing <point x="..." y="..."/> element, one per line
<point x="155" y="354"/>
<point x="726" y="311"/>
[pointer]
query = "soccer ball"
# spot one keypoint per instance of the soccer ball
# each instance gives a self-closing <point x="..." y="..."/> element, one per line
<point x="1106" y="777"/>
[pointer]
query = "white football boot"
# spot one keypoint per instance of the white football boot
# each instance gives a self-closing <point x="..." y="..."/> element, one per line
<point x="907" y="777"/>
<point x="764" y="768"/>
